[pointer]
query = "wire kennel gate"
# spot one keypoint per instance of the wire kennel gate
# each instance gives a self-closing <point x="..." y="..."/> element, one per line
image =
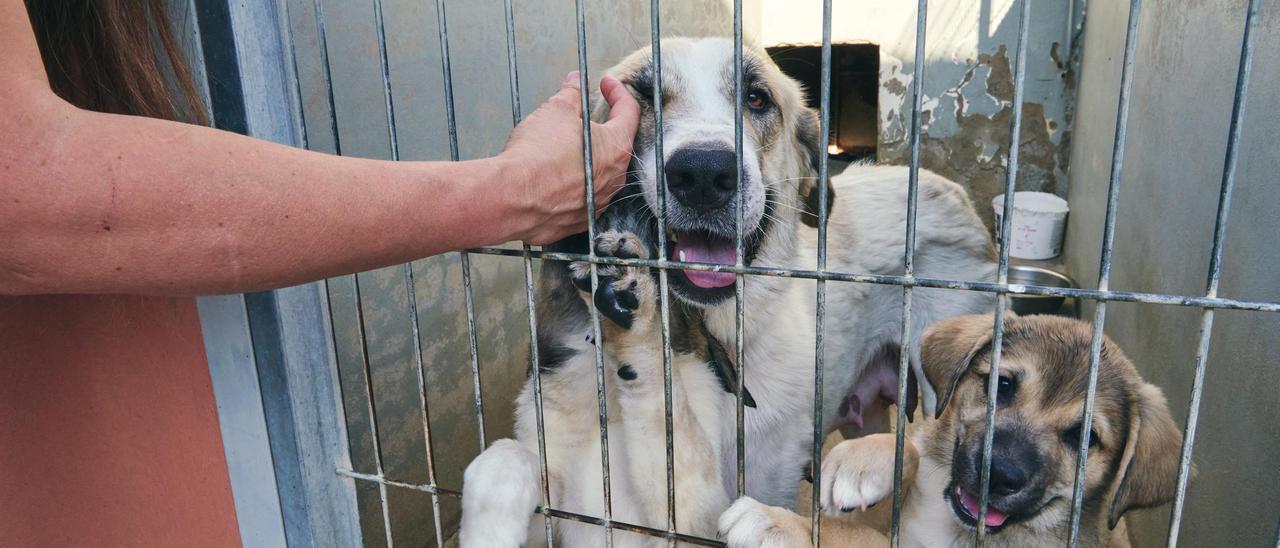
<point x="1209" y="302"/>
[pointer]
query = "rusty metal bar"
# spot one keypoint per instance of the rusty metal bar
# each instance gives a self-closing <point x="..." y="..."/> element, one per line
<point x="534" y="370"/>
<point x="940" y="283"/>
<point x="664" y="304"/>
<point x="452" y="124"/>
<point x="739" y="282"/>
<point x="371" y="407"/>
<point x="450" y="115"/>
<point x="584" y="93"/>
<point x="1247" y="43"/>
<point x="824" y="130"/>
<point x="1002" y="271"/>
<point x="410" y="286"/>
<point x="1104" y="268"/>
<point x="909" y="268"/>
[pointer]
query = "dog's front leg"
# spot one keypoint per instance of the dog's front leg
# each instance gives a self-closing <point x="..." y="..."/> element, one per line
<point x="752" y="524"/>
<point x="500" y="491"/>
<point x="628" y="297"/>
<point x="857" y="475"/>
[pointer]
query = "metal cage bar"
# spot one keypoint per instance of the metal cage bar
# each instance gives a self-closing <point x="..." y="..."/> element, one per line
<point x="584" y="93"/>
<point x="819" y="354"/>
<point x="739" y="282"/>
<point x="1104" y="268"/>
<point x="1002" y="273"/>
<point x="366" y="370"/>
<point x="664" y="303"/>
<point x="941" y="283"/>
<point x="909" y="268"/>
<point x="535" y="371"/>
<point x="468" y="294"/>
<point x="372" y="409"/>
<point x="1238" y="101"/>
<point x="411" y="292"/>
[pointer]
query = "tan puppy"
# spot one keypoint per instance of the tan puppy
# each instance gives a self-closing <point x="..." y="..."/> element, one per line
<point x="1133" y="455"/>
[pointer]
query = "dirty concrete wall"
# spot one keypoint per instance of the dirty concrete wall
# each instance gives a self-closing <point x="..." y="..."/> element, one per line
<point x="1185" y="73"/>
<point x="968" y="87"/>
<point x="547" y="49"/>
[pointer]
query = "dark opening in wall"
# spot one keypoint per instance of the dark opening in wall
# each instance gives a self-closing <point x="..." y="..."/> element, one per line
<point x="855" y="83"/>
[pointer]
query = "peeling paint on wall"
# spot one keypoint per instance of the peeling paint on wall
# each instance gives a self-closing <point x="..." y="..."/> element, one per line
<point x="965" y="127"/>
<point x="968" y="84"/>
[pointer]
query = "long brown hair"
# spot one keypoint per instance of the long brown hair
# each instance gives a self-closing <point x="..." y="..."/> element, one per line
<point x="118" y="56"/>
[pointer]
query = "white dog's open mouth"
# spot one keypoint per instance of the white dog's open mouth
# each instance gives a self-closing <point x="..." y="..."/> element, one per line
<point x="703" y="247"/>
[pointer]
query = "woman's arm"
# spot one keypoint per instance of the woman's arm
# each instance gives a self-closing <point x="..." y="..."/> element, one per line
<point x="99" y="203"/>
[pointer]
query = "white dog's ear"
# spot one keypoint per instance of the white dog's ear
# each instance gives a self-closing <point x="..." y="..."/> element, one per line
<point x="811" y="148"/>
<point x="947" y="350"/>
<point x="811" y="201"/>
<point x="1148" y="472"/>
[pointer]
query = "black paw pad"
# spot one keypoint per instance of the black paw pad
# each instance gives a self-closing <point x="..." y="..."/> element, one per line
<point x="616" y="305"/>
<point x="627" y="373"/>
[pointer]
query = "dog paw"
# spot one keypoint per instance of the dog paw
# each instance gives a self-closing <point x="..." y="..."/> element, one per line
<point x="749" y="524"/>
<point x="857" y="474"/>
<point x="622" y="290"/>
<point x="500" y="491"/>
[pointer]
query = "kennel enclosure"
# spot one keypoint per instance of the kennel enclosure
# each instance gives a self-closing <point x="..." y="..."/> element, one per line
<point x="312" y="355"/>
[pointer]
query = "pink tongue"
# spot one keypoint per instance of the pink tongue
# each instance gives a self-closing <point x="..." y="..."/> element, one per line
<point x="697" y="248"/>
<point x="995" y="517"/>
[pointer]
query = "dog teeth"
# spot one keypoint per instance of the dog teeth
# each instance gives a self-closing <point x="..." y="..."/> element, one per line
<point x="682" y="256"/>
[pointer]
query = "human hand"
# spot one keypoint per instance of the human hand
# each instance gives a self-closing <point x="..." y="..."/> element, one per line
<point x="545" y="153"/>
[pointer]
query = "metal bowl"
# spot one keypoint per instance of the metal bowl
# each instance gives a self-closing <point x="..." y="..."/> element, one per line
<point x="1037" y="304"/>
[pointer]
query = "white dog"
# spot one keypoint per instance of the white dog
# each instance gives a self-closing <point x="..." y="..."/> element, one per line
<point x="779" y="194"/>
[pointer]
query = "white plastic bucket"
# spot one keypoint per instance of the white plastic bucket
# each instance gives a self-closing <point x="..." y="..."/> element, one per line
<point x="1039" y="221"/>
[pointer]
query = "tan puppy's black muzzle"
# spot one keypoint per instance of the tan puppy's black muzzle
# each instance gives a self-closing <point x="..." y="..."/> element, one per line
<point x="1017" y="484"/>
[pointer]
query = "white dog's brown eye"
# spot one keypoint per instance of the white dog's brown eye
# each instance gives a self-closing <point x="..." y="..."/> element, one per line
<point x="757" y="99"/>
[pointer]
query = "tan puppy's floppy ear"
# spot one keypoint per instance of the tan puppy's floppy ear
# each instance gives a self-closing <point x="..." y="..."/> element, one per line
<point x="947" y="350"/>
<point x="812" y="147"/>
<point x="1148" y="471"/>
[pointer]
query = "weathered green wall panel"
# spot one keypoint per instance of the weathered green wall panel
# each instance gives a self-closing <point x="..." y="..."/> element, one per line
<point x="1185" y="74"/>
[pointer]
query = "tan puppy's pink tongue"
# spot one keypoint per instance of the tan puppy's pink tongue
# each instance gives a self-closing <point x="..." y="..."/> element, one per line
<point x="995" y="518"/>
<point x="698" y="248"/>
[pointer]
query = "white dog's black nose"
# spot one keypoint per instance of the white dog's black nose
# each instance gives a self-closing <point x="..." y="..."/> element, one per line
<point x="702" y="178"/>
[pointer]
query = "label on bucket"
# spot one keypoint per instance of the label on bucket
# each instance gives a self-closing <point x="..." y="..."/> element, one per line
<point x="1039" y="221"/>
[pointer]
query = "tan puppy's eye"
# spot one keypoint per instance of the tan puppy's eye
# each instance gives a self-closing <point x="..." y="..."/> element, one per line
<point x="757" y="100"/>
<point x="1071" y="437"/>
<point x="1006" y="388"/>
